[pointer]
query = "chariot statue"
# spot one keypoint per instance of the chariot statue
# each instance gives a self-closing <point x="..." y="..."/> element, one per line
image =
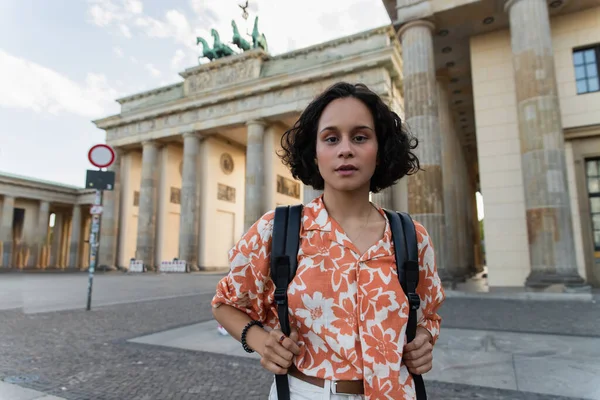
<point x="220" y="49"/>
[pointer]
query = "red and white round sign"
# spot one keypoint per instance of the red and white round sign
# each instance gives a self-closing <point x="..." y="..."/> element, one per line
<point x="101" y="155"/>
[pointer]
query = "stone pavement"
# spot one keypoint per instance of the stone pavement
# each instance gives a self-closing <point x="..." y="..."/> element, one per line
<point x="544" y="364"/>
<point x="10" y="391"/>
<point x="76" y="354"/>
<point x="39" y="292"/>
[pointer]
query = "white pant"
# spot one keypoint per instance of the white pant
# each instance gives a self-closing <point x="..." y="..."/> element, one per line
<point x="300" y="390"/>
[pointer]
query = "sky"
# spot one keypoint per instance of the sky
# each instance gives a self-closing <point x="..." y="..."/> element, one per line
<point x="63" y="63"/>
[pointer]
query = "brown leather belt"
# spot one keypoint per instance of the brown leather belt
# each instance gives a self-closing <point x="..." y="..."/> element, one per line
<point x="342" y="387"/>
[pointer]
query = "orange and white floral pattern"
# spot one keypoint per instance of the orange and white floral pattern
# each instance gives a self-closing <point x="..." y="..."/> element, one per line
<point x="350" y="310"/>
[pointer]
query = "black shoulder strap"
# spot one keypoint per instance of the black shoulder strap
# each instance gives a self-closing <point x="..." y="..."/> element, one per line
<point x="284" y="262"/>
<point x="404" y="236"/>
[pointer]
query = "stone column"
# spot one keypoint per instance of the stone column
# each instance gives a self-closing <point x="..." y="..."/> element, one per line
<point x="549" y="221"/>
<point x="255" y="176"/>
<point x="461" y="216"/>
<point x="189" y="216"/>
<point x="41" y="235"/>
<point x="146" y="233"/>
<point x="75" y="237"/>
<point x="6" y="230"/>
<point x="126" y="210"/>
<point x="109" y="223"/>
<point x="400" y="195"/>
<point x="270" y="174"/>
<point x="57" y="232"/>
<point x="425" y="188"/>
<point x="384" y="198"/>
<point x="469" y="195"/>
<point x="310" y="194"/>
<point x="450" y="161"/>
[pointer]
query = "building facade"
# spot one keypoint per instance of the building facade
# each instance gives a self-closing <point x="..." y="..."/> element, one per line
<point x="523" y="91"/>
<point x="43" y="224"/>
<point x="503" y="96"/>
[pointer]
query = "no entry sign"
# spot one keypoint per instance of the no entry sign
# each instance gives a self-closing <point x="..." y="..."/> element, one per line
<point x="101" y="155"/>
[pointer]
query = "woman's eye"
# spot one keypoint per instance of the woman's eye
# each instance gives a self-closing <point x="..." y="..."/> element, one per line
<point x="331" y="139"/>
<point x="360" y="138"/>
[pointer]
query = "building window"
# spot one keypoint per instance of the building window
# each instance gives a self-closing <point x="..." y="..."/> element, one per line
<point x="136" y="198"/>
<point x="592" y="169"/>
<point x="585" y="62"/>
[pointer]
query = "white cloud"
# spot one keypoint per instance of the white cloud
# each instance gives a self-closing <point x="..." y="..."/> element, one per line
<point x="177" y="59"/>
<point x="118" y="51"/>
<point x="174" y="26"/>
<point x="152" y="69"/>
<point x="104" y="12"/>
<point x="100" y="16"/>
<point x="125" y="31"/>
<point x="134" y="6"/>
<point x="335" y="19"/>
<point x="28" y="85"/>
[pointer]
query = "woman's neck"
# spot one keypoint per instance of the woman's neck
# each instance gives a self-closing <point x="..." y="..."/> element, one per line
<point x="344" y="206"/>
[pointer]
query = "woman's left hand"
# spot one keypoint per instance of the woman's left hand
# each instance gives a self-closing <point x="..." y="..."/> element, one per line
<point x="418" y="354"/>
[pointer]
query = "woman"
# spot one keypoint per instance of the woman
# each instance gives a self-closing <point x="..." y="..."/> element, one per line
<point x="348" y="311"/>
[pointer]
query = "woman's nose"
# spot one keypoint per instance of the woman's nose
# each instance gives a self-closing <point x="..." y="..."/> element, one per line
<point x="345" y="149"/>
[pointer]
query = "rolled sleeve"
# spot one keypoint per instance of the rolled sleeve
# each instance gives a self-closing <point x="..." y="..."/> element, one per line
<point x="430" y="288"/>
<point x="248" y="286"/>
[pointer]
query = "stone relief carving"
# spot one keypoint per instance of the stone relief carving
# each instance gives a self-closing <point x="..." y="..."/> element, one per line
<point x="288" y="187"/>
<point x="226" y="163"/>
<point x="292" y="94"/>
<point x="226" y="193"/>
<point x="175" y="195"/>
<point x="225" y="75"/>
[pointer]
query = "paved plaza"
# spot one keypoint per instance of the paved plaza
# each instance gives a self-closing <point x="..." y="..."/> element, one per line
<point x="152" y="337"/>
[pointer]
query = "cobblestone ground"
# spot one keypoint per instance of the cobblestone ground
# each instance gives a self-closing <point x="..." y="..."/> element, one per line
<point x="78" y="354"/>
<point x="551" y="317"/>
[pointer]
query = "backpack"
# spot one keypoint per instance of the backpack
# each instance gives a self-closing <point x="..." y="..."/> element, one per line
<point x="286" y="237"/>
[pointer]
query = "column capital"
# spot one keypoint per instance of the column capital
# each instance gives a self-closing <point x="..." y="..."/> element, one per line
<point x="261" y="122"/>
<point x="148" y="143"/>
<point x="191" y="134"/>
<point x="119" y="152"/>
<point x="412" y="24"/>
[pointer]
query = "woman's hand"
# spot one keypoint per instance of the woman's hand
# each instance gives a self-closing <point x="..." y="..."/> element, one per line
<point x="279" y="351"/>
<point x="418" y="354"/>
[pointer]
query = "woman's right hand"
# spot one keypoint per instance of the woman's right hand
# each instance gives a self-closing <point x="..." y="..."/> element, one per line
<point x="277" y="355"/>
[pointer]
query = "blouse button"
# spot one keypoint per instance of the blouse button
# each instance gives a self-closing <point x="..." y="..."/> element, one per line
<point x="362" y="317"/>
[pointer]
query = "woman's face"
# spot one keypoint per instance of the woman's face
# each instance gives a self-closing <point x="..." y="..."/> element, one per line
<point x="346" y="145"/>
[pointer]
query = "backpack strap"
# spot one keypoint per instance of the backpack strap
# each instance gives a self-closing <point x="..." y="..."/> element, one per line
<point x="284" y="262"/>
<point x="404" y="236"/>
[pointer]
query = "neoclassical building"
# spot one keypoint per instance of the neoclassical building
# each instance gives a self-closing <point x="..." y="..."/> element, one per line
<point x="197" y="161"/>
<point x="503" y="96"/>
<point x="521" y="86"/>
<point x="28" y="208"/>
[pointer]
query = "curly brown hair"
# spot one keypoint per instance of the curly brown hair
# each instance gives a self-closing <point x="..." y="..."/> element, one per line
<point x="395" y="143"/>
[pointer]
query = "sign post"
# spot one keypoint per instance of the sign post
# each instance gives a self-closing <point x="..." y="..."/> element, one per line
<point x="101" y="156"/>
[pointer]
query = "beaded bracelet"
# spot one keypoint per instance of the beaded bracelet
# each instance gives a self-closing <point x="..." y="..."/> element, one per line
<point x="243" y="339"/>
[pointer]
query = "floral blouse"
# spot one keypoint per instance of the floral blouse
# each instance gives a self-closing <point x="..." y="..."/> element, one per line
<point x="349" y="309"/>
